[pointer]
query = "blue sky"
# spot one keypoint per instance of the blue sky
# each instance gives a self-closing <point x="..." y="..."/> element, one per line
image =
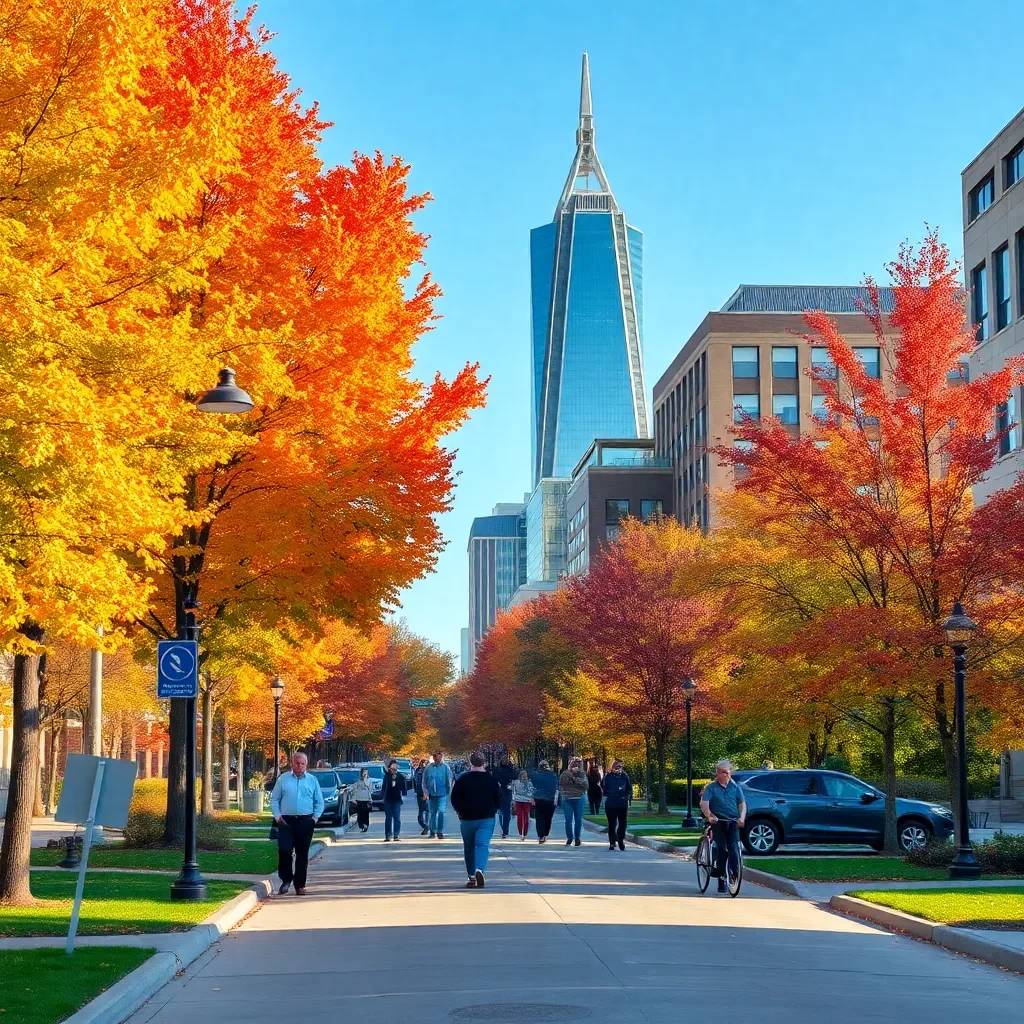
<point x="754" y="142"/>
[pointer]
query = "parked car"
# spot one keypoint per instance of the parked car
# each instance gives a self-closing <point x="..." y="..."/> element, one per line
<point x="334" y="801"/>
<point x="405" y="767"/>
<point x="806" y="806"/>
<point x="376" y="770"/>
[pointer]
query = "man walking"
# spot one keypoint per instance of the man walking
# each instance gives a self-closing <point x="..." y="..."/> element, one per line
<point x="297" y="804"/>
<point x="506" y="773"/>
<point x="422" y="804"/>
<point x="437" y="787"/>
<point x="618" y="793"/>
<point x="572" y="786"/>
<point x="476" y="797"/>
<point x="545" y="786"/>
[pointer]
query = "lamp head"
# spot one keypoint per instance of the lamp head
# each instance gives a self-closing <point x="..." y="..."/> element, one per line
<point x="959" y="627"/>
<point x="226" y="397"/>
<point x="689" y="687"/>
<point x="277" y="687"/>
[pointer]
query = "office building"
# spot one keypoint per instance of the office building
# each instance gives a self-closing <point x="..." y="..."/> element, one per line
<point x="497" y="567"/>
<point x="465" y="651"/>
<point x="545" y="531"/>
<point x="586" y="272"/>
<point x="748" y="359"/>
<point x="993" y="211"/>
<point x="613" y="480"/>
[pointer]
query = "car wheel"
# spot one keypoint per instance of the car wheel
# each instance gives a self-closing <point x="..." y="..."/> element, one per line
<point x="761" y="836"/>
<point x="913" y="835"/>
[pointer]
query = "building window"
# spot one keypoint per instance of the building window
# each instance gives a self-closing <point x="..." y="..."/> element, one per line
<point x="651" y="508"/>
<point x="784" y="409"/>
<point x="1020" y="272"/>
<point x="783" y="362"/>
<point x="744" y="362"/>
<point x="741" y="445"/>
<point x="979" y="301"/>
<point x="822" y="362"/>
<point x="745" y="406"/>
<point x="869" y="358"/>
<point x="1013" y="166"/>
<point x="616" y="509"/>
<point x="981" y="196"/>
<point x="819" y="408"/>
<point x="1001" y="261"/>
<point x="1006" y="425"/>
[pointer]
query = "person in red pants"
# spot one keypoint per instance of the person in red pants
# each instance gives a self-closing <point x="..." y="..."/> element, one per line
<point x="522" y="799"/>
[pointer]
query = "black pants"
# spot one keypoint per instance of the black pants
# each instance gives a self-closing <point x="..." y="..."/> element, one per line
<point x="294" y="833"/>
<point x="595" y="802"/>
<point x="363" y="813"/>
<point x="545" y="810"/>
<point x="616" y="824"/>
<point x="726" y="835"/>
<point x="505" y="811"/>
<point x="423" y="812"/>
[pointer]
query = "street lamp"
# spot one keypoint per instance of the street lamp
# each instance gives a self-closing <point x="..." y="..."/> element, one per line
<point x="959" y="627"/>
<point x="277" y="691"/>
<point x="226" y="397"/>
<point x="689" y="688"/>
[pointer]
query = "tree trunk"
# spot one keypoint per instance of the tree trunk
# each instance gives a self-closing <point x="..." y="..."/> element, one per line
<point x="17" y="838"/>
<point x="207" y="801"/>
<point x="661" y="742"/>
<point x="889" y="772"/>
<point x="647" y="772"/>
<point x="174" y="823"/>
<point x="38" y="809"/>
<point x="51" y="772"/>
<point x="225" y="765"/>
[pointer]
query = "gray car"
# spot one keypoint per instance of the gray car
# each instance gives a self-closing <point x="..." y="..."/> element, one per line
<point x="811" y="806"/>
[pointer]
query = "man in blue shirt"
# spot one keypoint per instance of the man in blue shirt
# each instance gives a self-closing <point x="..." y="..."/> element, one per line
<point x="297" y="804"/>
<point x="437" y="787"/>
<point x="723" y="804"/>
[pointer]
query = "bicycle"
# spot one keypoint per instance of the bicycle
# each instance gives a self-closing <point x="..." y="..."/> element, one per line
<point x="705" y="861"/>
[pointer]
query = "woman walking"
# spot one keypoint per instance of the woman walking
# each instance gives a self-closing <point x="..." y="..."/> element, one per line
<point x="362" y="794"/>
<point x="545" y="789"/>
<point x="594" y="788"/>
<point x="394" y="790"/>
<point x="522" y="799"/>
<point x="618" y="793"/>
<point x="572" y="785"/>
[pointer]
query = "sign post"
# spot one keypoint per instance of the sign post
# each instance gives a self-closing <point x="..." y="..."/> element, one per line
<point x="422" y="702"/>
<point x="177" y="668"/>
<point x="96" y="791"/>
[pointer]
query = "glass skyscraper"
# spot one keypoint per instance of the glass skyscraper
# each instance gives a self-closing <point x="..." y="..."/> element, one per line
<point x="586" y="271"/>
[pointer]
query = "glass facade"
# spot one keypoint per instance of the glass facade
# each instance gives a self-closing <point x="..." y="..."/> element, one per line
<point x="546" y="531"/>
<point x="497" y="568"/>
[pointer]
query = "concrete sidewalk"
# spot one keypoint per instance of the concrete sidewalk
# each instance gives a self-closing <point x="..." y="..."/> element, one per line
<point x="388" y="933"/>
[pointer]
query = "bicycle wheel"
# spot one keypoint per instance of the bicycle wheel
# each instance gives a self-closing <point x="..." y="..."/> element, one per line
<point x="735" y="883"/>
<point x="702" y="858"/>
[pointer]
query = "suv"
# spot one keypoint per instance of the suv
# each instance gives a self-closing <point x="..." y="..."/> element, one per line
<point x="798" y="806"/>
<point x="330" y="786"/>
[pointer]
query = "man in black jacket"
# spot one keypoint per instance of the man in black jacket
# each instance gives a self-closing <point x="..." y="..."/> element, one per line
<point x="506" y="773"/>
<point x="476" y="797"/>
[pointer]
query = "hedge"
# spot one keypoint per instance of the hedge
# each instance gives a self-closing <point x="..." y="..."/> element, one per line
<point x="1003" y="854"/>
<point x="146" y="815"/>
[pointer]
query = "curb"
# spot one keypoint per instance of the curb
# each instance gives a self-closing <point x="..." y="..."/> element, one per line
<point x="644" y="841"/>
<point x="122" y="999"/>
<point x="769" y="881"/>
<point x="956" y="939"/>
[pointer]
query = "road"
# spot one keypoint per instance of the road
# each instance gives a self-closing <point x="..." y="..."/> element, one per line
<point x="388" y="933"/>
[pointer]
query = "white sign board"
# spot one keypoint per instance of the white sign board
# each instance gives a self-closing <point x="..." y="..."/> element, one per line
<point x="115" y="792"/>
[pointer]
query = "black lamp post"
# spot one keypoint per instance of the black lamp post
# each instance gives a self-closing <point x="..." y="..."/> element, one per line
<point x="959" y="627"/>
<point x="226" y="397"/>
<point x="689" y="688"/>
<point x="277" y="690"/>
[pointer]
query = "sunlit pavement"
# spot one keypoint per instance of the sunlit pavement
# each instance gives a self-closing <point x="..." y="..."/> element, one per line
<point x="389" y="933"/>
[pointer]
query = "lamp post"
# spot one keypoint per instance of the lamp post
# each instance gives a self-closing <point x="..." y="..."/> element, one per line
<point x="277" y="690"/>
<point x="959" y="627"/>
<point x="226" y="397"/>
<point x="689" y="688"/>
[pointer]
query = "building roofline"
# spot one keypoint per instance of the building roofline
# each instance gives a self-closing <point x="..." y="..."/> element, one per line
<point x="988" y="145"/>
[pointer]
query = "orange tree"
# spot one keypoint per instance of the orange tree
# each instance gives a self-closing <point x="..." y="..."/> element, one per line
<point x="880" y="495"/>
<point x="642" y="621"/>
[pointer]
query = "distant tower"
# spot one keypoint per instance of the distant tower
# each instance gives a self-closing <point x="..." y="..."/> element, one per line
<point x="587" y="320"/>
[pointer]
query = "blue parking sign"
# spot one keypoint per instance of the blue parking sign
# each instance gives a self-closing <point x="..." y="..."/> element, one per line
<point x="177" y="668"/>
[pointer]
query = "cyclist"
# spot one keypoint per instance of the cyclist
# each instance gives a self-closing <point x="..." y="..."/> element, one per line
<point x="722" y="803"/>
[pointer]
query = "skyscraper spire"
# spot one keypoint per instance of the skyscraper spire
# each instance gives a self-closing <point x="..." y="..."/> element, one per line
<point x="586" y="163"/>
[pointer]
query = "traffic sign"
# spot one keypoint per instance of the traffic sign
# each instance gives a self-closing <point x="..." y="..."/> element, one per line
<point x="422" y="702"/>
<point x="177" y="672"/>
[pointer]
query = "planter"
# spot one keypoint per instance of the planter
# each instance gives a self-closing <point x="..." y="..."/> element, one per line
<point x="252" y="801"/>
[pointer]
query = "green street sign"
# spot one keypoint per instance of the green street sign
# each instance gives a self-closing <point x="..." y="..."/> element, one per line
<point x="422" y="702"/>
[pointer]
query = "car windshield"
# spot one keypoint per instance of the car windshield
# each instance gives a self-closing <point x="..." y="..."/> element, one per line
<point x="376" y="771"/>
<point x="844" y="788"/>
<point x="325" y="779"/>
<point x="404" y="763"/>
<point x="348" y="775"/>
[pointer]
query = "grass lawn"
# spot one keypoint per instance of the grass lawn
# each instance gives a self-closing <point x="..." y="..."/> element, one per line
<point x="45" y="985"/>
<point x="641" y="817"/>
<point x="244" y="859"/>
<point x="661" y="833"/>
<point x="846" y="869"/>
<point x="243" y="817"/>
<point x="113" y="904"/>
<point x="969" y="908"/>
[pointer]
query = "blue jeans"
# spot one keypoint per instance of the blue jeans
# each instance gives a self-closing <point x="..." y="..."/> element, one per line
<point x="573" y="811"/>
<point x="476" y="843"/>
<point x="505" y="813"/>
<point x="437" y="809"/>
<point x="392" y="818"/>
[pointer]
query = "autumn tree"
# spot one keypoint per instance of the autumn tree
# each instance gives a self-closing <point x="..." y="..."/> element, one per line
<point x="880" y="495"/>
<point x="642" y="623"/>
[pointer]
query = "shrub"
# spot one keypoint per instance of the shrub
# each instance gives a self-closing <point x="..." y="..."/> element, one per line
<point x="145" y="826"/>
<point x="676" y="790"/>
<point x="937" y="853"/>
<point x="1003" y="854"/>
<point x="911" y="788"/>
<point x="836" y="763"/>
